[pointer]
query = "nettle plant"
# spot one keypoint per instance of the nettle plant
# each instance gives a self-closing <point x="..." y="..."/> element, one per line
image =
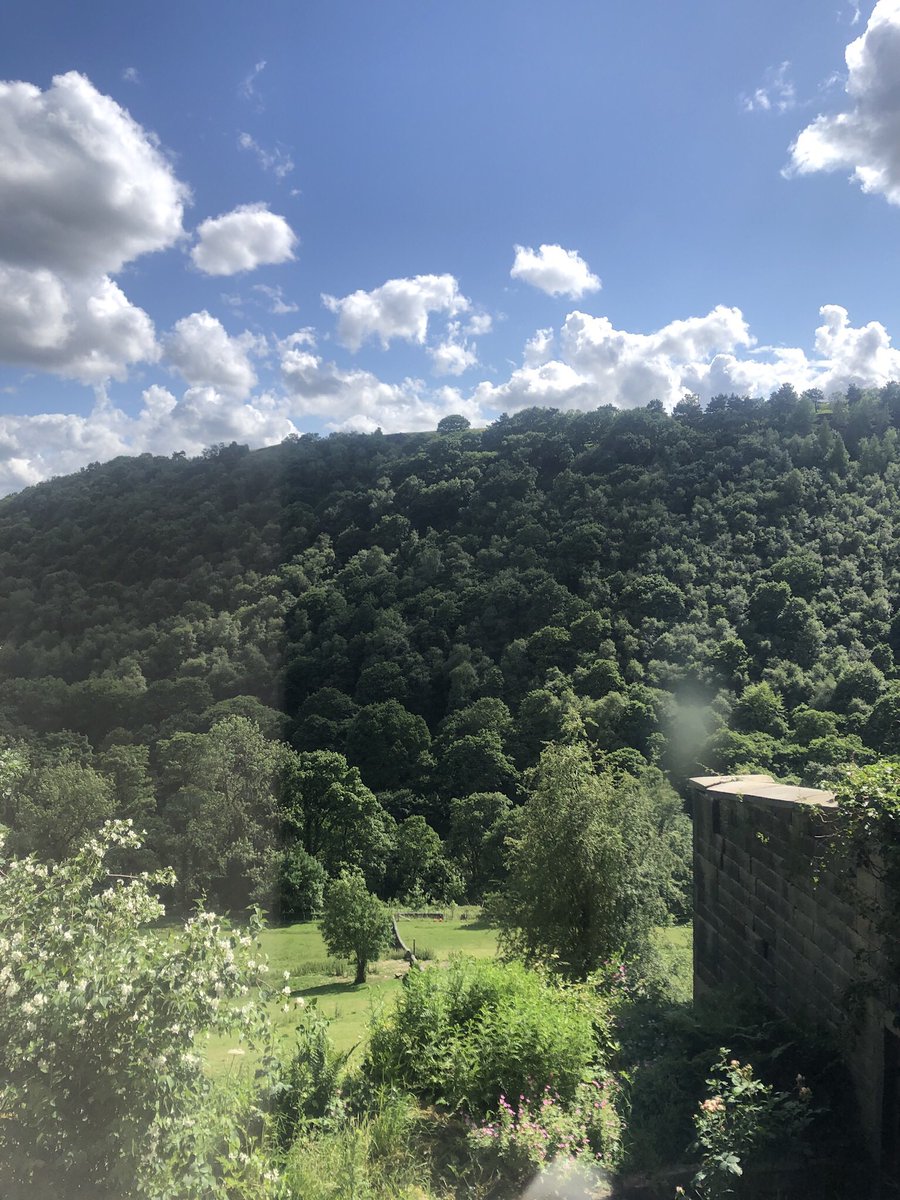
<point x="101" y="1085"/>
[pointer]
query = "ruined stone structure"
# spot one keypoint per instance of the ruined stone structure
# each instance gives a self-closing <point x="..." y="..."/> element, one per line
<point x="769" y="917"/>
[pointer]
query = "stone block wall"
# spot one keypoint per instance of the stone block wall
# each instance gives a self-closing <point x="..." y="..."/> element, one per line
<point x="769" y="918"/>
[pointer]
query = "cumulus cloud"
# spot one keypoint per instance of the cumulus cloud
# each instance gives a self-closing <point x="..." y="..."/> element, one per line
<point x="33" y="448"/>
<point x="84" y="190"/>
<point x="399" y="308"/>
<point x="85" y="331"/>
<point x="776" y="94"/>
<point x="247" y="237"/>
<point x="865" y="138"/>
<point x="277" y="160"/>
<point x="359" y="400"/>
<point x="556" y="271"/>
<point x="586" y="363"/>
<point x="206" y="356"/>
<point x="455" y="354"/>
<point x="599" y="364"/>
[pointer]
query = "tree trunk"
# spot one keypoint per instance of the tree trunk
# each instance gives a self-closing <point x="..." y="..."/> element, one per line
<point x="361" y="965"/>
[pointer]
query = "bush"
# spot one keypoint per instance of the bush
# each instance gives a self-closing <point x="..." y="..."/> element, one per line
<point x="99" y="1014"/>
<point x="465" y="1036"/>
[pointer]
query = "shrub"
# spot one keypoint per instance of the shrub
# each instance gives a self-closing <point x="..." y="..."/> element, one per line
<point x="99" y="1014"/>
<point x="465" y="1036"/>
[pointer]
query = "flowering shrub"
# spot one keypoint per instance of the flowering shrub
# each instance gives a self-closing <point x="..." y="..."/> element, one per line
<point x="742" y="1114"/>
<point x="529" y="1136"/>
<point x="100" y="1081"/>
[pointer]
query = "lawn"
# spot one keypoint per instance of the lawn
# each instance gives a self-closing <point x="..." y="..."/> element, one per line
<point x="313" y="976"/>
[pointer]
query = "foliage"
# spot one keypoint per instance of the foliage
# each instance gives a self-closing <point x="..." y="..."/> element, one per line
<point x="355" y="924"/>
<point x="432" y="608"/>
<point x="306" y="1088"/>
<point x="741" y="1116"/>
<point x="464" y="1036"/>
<point x="369" y="1157"/>
<point x="301" y="885"/>
<point x="99" y="1015"/>
<point x="590" y="865"/>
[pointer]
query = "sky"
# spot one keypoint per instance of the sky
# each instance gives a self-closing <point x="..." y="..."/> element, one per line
<point x="223" y="221"/>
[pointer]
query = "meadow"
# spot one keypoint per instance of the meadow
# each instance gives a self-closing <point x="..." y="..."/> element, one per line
<point x="316" y="977"/>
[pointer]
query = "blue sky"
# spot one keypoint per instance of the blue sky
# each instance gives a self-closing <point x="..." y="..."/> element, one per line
<point x="229" y="221"/>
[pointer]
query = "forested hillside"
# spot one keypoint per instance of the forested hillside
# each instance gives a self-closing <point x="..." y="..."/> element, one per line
<point x="416" y="616"/>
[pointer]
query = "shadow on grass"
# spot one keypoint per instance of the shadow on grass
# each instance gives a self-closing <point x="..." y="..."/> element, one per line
<point x="330" y="989"/>
<point x="478" y="923"/>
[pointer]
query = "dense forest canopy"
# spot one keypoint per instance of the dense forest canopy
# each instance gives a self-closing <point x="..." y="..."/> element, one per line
<point x="358" y="645"/>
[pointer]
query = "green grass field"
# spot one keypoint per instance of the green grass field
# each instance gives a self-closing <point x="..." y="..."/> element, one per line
<point x="313" y="976"/>
<point x="299" y="949"/>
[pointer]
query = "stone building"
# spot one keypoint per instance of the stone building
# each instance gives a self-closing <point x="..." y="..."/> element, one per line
<point x="771" y="918"/>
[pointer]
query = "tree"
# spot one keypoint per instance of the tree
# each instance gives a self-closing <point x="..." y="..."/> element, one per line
<point x="102" y="1088"/>
<point x="301" y="885"/>
<point x="581" y="888"/>
<point x="326" y="807"/>
<point x="387" y="743"/>
<point x="355" y="924"/>
<point x="453" y="424"/>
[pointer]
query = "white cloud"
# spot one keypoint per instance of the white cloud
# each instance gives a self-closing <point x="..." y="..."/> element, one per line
<point x="247" y="237"/>
<point x="247" y="88"/>
<point x="206" y="356"/>
<point x="277" y="303"/>
<point x="556" y="271"/>
<point x="399" y="308"/>
<point x="539" y="347"/>
<point x="278" y="160"/>
<point x="84" y="190"/>
<point x="479" y="324"/>
<point x="866" y="137"/>
<point x="33" y="448"/>
<point x="598" y="364"/>
<point x="360" y="400"/>
<point x="89" y="332"/>
<point x="455" y="354"/>
<point x="777" y="93"/>
<point x="452" y="358"/>
<point x="131" y="75"/>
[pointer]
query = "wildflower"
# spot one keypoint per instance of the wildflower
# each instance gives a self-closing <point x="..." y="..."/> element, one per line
<point x="715" y="1105"/>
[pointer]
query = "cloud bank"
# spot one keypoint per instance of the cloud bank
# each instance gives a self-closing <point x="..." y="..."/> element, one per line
<point x="584" y="363"/>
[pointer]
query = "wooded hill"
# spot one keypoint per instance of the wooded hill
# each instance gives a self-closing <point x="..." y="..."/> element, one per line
<point x="706" y="590"/>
